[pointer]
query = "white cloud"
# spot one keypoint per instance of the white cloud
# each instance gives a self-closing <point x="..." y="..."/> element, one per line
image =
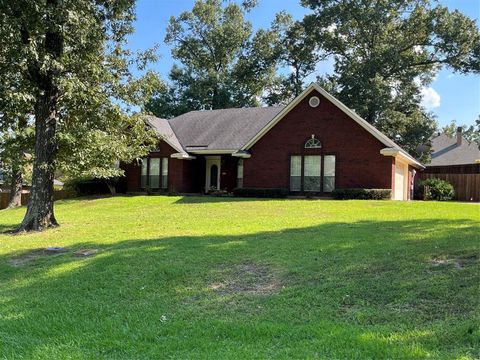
<point x="430" y="98"/>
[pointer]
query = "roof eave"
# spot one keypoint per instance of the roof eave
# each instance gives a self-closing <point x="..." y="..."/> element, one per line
<point x="182" y="156"/>
<point x="403" y="155"/>
<point x="242" y="154"/>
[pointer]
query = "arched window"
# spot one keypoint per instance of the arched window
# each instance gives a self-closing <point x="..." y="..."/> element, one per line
<point x="313" y="143"/>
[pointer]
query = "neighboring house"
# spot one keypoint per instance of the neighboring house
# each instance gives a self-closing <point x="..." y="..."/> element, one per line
<point x="447" y="151"/>
<point x="315" y="144"/>
<point x="457" y="161"/>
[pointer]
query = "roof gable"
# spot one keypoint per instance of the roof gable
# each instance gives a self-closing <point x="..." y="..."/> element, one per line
<point x="446" y="151"/>
<point x="313" y="86"/>
<point x="162" y="128"/>
<point x="390" y="144"/>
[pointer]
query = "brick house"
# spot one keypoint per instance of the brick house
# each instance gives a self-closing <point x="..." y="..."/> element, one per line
<point x="312" y="145"/>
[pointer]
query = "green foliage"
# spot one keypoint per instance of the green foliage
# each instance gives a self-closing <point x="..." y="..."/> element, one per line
<point x="261" y="193"/>
<point x="229" y="278"/>
<point x="362" y="194"/>
<point x="385" y="51"/>
<point x="95" y="123"/>
<point x="436" y="189"/>
<point x="410" y="129"/>
<point x="224" y="64"/>
<point x="471" y="133"/>
<point x="296" y="50"/>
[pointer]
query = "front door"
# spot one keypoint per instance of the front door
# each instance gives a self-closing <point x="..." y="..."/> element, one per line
<point x="212" y="173"/>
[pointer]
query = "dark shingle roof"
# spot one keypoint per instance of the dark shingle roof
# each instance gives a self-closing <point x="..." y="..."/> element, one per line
<point x="447" y="152"/>
<point x="162" y="127"/>
<point x="226" y="129"/>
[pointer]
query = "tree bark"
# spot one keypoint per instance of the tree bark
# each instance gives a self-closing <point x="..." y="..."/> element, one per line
<point x="15" y="188"/>
<point x="43" y="76"/>
<point x="111" y="187"/>
<point x="40" y="214"/>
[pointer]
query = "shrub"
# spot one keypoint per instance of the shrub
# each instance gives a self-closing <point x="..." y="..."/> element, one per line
<point x="260" y="193"/>
<point x="362" y="194"/>
<point x="436" y="189"/>
<point x="87" y="187"/>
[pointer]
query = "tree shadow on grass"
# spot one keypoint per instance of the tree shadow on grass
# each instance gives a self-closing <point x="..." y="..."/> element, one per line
<point x="343" y="290"/>
<point x="207" y="199"/>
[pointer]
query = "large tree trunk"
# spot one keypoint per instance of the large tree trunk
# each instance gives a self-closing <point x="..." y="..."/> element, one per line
<point x="15" y="188"/>
<point x="40" y="205"/>
<point x="44" y="76"/>
<point x="111" y="187"/>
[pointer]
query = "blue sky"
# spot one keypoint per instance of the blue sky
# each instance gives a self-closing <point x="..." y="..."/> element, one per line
<point x="450" y="96"/>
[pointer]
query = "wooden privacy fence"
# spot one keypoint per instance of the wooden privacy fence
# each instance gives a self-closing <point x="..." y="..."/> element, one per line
<point x="467" y="186"/>
<point x="5" y="196"/>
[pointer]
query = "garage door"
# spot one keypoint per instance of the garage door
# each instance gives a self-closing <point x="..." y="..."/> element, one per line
<point x="399" y="181"/>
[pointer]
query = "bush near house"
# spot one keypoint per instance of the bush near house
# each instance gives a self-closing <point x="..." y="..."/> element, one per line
<point x="261" y="193"/>
<point x="435" y="189"/>
<point x="83" y="187"/>
<point x="362" y="194"/>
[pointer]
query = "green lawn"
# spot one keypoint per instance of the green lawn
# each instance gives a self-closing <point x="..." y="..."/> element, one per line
<point x="221" y="278"/>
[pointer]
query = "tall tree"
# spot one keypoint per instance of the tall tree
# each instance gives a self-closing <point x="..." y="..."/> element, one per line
<point x="69" y="50"/>
<point x="16" y="133"/>
<point x="386" y="50"/>
<point x="16" y="142"/>
<point x="223" y="63"/>
<point x="471" y="133"/>
<point x="297" y="52"/>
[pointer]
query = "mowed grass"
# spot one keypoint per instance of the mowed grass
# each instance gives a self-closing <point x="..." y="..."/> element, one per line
<point x="214" y="278"/>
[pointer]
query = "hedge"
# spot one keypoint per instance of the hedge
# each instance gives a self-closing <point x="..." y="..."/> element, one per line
<point x="362" y="194"/>
<point x="261" y="193"/>
<point x="87" y="187"/>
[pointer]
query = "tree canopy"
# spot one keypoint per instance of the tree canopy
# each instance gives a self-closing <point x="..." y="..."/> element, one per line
<point x="385" y="51"/>
<point x="471" y="133"/>
<point x="73" y="58"/>
<point x="223" y="62"/>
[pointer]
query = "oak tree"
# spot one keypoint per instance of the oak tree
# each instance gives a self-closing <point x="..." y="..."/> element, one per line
<point x="72" y="53"/>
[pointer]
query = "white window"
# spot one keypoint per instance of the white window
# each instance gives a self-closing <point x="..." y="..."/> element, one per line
<point x="154" y="173"/>
<point x="311" y="173"/>
<point x="144" y="173"/>
<point x="295" y="173"/>
<point x="313" y="143"/>
<point x="240" y="173"/>
<point x="164" y="173"/>
<point x="328" y="173"/>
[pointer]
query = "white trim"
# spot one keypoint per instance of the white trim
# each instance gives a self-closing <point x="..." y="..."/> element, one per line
<point x="314" y="101"/>
<point x="206" y="152"/>
<point x="401" y="154"/>
<point x="242" y="154"/>
<point x="182" y="156"/>
<point x="363" y="123"/>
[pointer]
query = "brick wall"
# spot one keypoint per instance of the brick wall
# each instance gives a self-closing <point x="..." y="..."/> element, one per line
<point x="358" y="159"/>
